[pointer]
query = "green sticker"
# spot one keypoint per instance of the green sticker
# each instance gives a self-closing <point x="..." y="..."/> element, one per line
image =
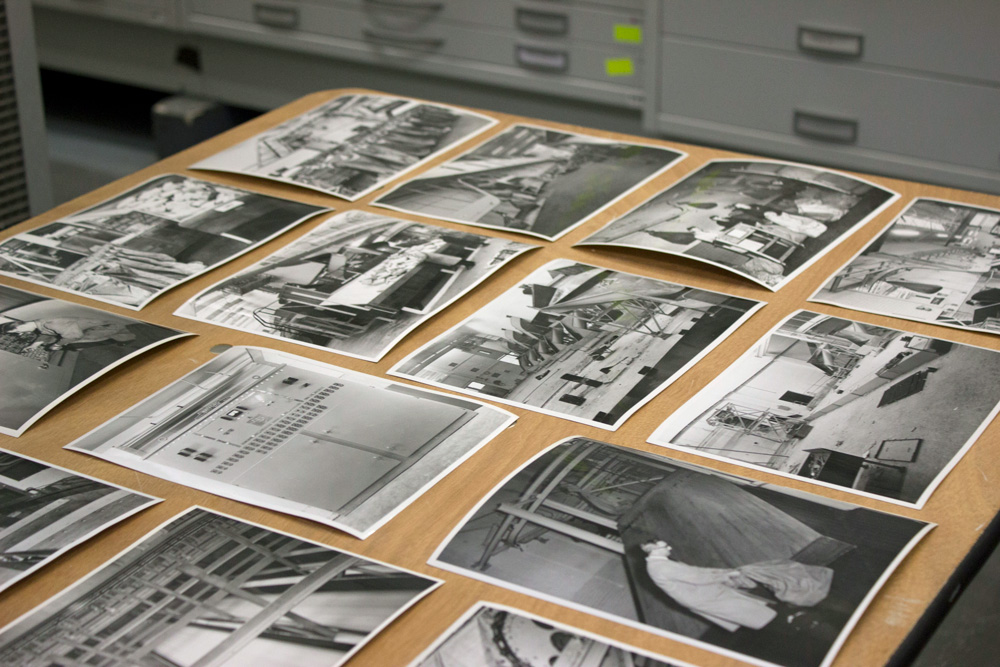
<point x="619" y="67"/>
<point x="626" y="32"/>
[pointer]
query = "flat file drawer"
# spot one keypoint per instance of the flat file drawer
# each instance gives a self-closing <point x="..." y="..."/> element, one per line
<point x="950" y="38"/>
<point x="838" y="104"/>
<point x="152" y="12"/>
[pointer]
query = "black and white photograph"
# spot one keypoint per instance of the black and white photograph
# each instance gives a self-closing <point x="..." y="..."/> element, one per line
<point x="761" y="219"/>
<point x="46" y="510"/>
<point x="132" y="248"/>
<point x="205" y="589"/>
<point x="936" y="262"/>
<point x="737" y="566"/>
<point x="492" y="635"/>
<point x="356" y="285"/>
<point x="579" y="342"/>
<point x="50" y="348"/>
<point x="875" y="411"/>
<point x="532" y="180"/>
<point x="346" y="449"/>
<point x="351" y="145"/>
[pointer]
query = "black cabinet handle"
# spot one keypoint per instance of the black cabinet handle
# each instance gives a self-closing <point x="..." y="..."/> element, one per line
<point x="275" y="16"/>
<point x="543" y="60"/>
<point x="541" y="23"/>
<point x="425" y="44"/>
<point x="826" y="128"/>
<point x="830" y="43"/>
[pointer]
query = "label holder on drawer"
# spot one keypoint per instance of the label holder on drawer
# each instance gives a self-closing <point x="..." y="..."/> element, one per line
<point x="825" y="127"/>
<point x="831" y="43"/>
<point x="542" y="60"/>
<point x="541" y="23"/>
<point x="276" y="16"/>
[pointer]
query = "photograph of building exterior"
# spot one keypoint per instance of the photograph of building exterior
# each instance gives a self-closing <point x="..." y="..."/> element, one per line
<point x="204" y="590"/>
<point x="491" y="635"/>
<point x="935" y="263"/>
<point x="877" y="411"/>
<point x="761" y="219"/>
<point x="352" y="144"/>
<point x="357" y="284"/>
<point x="45" y="511"/>
<point x="51" y="348"/>
<point x="579" y="342"/>
<point x="130" y="249"/>
<point x="346" y="449"/>
<point x="532" y="180"/>
<point x="733" y="565"/>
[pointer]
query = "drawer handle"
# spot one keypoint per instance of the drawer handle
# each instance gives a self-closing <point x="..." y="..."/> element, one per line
<point x="541" y="23"/>
<point x="424" y="7"/>
<point x="827" y="128"/>
<point x="276" y="17"/>
<point x="829" y="43"/>
<point x="426" y="44"/>
<point x="542" y="60"/>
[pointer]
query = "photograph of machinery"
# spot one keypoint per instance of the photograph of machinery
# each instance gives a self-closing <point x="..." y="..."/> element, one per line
<point x="761" y="219"/>
<point x="45" y="511"/>
<point x="579" y="342"/>
<point x="357" y="284"/>
<point x="491" y="635"/>
<point x="730" y="564"/>
<point x="351" y="145"/>
<point x="204" y="590"/>
<point x="937" y="262"/>
<point x="130" y="249"/>
<point x="877" y="411"/>
<point x="346" y="449"/>
<point x="51" y="348"/>
<point x="532" y="180"/>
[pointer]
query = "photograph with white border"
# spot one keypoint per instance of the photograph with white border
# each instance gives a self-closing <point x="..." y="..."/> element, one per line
<point x="46" y="510"/>
<point x="495" y="635"/>
<point x="936" y="262"/>
<point x="761" y="219"/>
<point x="533" y="180"/>
<point x="874" y="411"/>
<point x="50" y="349"/>
<point x="346" y="449"/>
<point x="737" y="566"/>
<point x="351" y="145"/>
<point x="355" y="285"/>
<point x="132" y="248"/>
<point x="208" y="589"/>
<point x="579" y="342"/>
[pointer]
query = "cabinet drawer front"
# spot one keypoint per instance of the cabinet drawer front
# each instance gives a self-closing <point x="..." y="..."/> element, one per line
<point x="152" y="12"/>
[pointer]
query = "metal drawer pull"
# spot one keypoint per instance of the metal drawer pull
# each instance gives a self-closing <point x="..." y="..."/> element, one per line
<point x="398" y="41"/>
<point x="542" y="59"/>
<point x="542" y="23"/>
<point x="428" y="7"/>
<point x="276" y="17"/>
<point x="829" y="43"/>
<point x="815" y="126"/>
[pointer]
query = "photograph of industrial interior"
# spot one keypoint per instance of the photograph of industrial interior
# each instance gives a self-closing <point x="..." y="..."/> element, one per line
<point x="936" y="262"/>
<point x="491" y="635"/>
<point x="346" y="449"/>
<point x="579" y="342"/>
<point x="131" y="248"/>
<point x="532" y="180"/>
<point x="51" y="348"/>
<point x="204" y="590"/>
<point x="45" y="511"/>
<point x="761" y="219"/>
<point x="733" y="565"/>
<point x="351" y="145"/>
<point x="356" y="284"/>
<point x="877" y="411"/>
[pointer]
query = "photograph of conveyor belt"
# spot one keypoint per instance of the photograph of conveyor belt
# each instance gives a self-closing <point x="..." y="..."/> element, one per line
<point x="764" y="220"/>
<point x="356" y="285"/>
<point x="205" y="589"/>
<point x="351" y="145"/>
<point x="730" y="564"/>
<point x="579" y="342"/>
<point x="875" y="411"/>
<point x="532" y="180"/>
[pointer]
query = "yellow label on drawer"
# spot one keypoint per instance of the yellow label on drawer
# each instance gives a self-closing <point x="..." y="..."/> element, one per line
<point x="628" y="33"/>
<point x="619" y="67"/>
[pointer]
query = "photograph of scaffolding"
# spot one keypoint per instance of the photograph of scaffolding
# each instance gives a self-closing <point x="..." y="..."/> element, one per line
<point x="937" y="262"/>
<point x="356" y="285"/>
<point x="132" y="248"/>
<point x="733" y="565"/>
<point x="764" y="220"/>
<point x="50" y="349"/>
<point x="46" y="510"/>
<point x="579" y="342"/>
<point x="876" y="411"/>
<point x="351" y="145"/>
<point x="533" y="180"/>
<point x="346" y="449"/>
<point x="204" y="590"/>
